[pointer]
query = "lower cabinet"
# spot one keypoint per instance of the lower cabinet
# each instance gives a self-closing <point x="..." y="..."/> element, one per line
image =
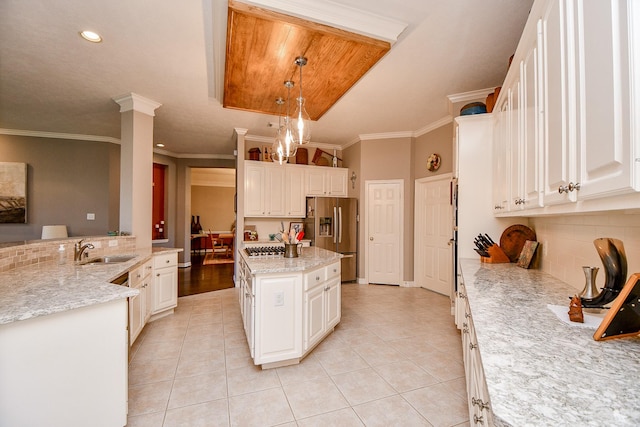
<point x="140" y="305"/>
<point x="157" y="281"/>
<point x="477" y="394"/>
<point x="321" y="305"/>
<point x="285" y="315"/>
<point x="165" y="284"/>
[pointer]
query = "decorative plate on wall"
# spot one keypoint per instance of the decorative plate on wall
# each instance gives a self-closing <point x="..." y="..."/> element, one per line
<point x="433" y="162"/>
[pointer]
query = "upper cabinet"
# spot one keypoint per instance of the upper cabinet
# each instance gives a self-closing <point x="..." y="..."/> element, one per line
<point x="326" y="181"/>
<point x="279" y="191"/>
<point x="564" y="117"/>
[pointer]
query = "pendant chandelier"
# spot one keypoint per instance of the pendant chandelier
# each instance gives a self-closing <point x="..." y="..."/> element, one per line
<point x="284" y="145"/>
<point x="301" y="122"/>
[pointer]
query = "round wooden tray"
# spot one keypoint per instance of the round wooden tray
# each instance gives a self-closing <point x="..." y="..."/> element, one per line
<point x="513" y="238"/>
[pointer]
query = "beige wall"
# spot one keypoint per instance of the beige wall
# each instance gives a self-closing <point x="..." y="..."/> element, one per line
<point x="389" y="159"/>
<point x="214" y="205"/>
<point x="438" y="141"/>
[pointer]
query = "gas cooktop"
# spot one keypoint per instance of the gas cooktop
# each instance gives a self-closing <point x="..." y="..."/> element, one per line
<point x="264" y="251"/>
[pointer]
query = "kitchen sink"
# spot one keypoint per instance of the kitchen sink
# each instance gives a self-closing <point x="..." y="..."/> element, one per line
<point x="110" y="259"/>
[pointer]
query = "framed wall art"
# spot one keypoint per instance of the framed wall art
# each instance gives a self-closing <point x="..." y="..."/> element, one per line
<point x="13" y="193"/>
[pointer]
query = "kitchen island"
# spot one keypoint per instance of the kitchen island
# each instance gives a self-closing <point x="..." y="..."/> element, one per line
<point x="289" y="305"/>
<point x="64" y="338"/>
<point x="531" y="368"/>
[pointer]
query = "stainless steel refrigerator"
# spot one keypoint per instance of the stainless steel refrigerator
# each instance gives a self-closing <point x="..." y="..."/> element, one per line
<point x="332" y="223"/>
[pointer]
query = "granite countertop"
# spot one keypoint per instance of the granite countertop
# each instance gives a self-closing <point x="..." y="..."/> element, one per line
<point x="49" y="288"/>
<point x="539" y="370"/>
<point x="310" y="258"/>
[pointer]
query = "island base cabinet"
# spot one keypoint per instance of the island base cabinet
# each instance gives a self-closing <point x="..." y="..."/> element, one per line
<point x="278" y="330"/>
<point x="322" y="304"/>
<point x="66" y="369"/>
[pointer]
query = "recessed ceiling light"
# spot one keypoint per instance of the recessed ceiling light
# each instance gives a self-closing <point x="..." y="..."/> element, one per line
<point x="91" y="36"/>
<point x="159" y="145"/>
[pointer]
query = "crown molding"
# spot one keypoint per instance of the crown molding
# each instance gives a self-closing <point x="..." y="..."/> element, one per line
<point x="433" y="126"/>
<point x="338" y="16"/>
<point x="470" y="96"/>
<point x="386" y="135"/>
<point x="59" y="135"/>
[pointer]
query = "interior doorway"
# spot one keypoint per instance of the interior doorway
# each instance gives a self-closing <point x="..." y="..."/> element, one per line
<point x="384" y="228"/>
<point x="212" y="208"/>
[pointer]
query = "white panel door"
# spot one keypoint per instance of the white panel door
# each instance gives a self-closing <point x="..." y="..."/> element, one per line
<point x="433" y="234"/>
<point x="384" y="205"/>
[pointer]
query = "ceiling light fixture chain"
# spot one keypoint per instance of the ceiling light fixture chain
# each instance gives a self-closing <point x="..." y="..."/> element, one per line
<point x="301" y="122"/>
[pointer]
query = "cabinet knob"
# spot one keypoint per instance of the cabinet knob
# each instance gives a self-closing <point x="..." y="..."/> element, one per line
<point x="157" y="274"/>
<point x="478" y="419"/>
<point x="573" y="186"/>
<point x="472" y="346"/>
<point x="563" y="189"/>
<point x="371" y="238"/>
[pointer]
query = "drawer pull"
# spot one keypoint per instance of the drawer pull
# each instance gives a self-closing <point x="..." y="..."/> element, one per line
<point x="479" y="403"/>
<point x="168" y="261"/>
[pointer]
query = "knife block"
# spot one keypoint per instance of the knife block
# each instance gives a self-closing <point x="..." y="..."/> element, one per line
<point x="496" y="255"/>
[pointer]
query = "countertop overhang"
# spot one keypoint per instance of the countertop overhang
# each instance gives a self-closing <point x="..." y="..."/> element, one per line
<point x="539" y="370"/>
<point x="48" y="288"/>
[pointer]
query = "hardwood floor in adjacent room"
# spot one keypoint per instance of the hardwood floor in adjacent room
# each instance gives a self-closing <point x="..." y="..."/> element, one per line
<point x="204" y="278"/>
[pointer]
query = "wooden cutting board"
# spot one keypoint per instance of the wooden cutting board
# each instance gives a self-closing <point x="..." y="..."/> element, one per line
<point x="513" y="238"/>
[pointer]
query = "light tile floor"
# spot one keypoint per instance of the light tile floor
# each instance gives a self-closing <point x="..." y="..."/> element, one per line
<point x="395" y="359"/>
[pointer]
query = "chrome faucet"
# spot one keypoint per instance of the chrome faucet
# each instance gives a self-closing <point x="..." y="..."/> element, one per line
<point x="79" y="248"/>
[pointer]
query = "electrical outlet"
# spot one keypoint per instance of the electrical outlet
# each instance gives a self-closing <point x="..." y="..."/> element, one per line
<point x="91" y="216"/>
<point x="113" y="243"/>
<point x="278" y="299"/>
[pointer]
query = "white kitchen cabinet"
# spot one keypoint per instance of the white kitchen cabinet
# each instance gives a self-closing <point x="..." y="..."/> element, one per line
<point x="247" y="305"/>
<point x="606" y="160"/>
<point x="477" y="393"/>
<point x="516" y="149"/>
<point x="322" y="301"/>
<point x="254" y="195"/>
<point x="165" y="284"/>
<point x="67" y="369"/>
<point x="276" y="317"/>
<point x="326" y="182"/>
<point x="501" y="167"/>
<point x="575" y="63"/>
<point x="286" y="314"/>
<point x="295" y="198"/>
<point x="139" y="305"/>
<point x="274" y="190"/>
<point x="559" y="151"/>
<point x="531" y="145"/>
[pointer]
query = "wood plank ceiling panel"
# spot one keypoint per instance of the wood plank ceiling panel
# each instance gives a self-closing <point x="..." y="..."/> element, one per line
<point x="262" y="46"/>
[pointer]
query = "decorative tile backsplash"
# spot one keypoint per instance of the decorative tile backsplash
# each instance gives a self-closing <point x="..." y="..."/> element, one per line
<point x="39" y="251"/>
<point x="567" y="243"/>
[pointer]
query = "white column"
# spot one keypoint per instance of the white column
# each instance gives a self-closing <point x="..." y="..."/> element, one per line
<point x="136" y="166"/>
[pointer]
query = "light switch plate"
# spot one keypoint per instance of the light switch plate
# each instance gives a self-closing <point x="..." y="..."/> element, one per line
<point x="91" y="216"/>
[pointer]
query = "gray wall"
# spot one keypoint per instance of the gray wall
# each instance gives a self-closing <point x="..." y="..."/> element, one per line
<point x="66" y="179"/>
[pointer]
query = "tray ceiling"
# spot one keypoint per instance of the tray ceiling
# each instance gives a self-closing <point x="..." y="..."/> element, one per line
<point x="261" y="49"/>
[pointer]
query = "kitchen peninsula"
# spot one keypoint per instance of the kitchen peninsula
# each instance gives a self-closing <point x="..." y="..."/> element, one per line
<point x="288" y="304"/>
<point x="526" y="367"/>
<point x="64" y="332"/>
